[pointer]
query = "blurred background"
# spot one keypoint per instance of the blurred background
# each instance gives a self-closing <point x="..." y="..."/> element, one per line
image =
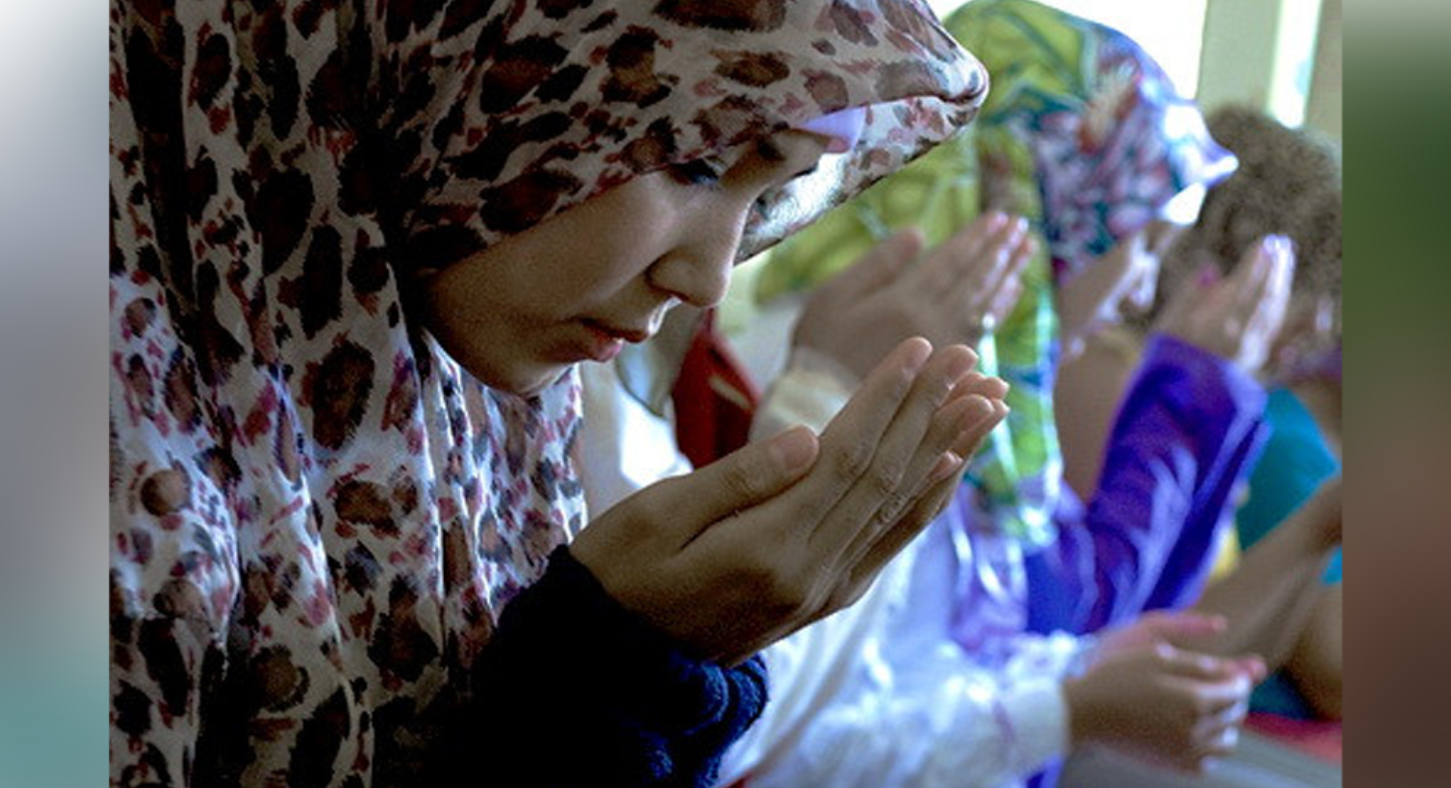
<point x="1281" y="56"/>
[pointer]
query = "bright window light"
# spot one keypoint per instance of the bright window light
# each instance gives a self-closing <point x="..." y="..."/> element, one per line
<point x="1171" y="31"/>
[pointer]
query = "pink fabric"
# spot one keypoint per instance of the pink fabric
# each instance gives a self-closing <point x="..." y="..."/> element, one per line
<point x="1318" y="738"/>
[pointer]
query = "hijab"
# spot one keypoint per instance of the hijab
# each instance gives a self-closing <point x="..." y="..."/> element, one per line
<point x="316" y="513"/>
<point x="1083" y="134"/>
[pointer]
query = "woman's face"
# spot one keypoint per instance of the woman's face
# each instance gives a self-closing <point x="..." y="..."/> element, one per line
<point x="579" y="285"/>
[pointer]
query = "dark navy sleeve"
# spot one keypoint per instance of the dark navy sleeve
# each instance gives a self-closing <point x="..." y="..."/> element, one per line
<point x="574" y="690"/>
<point x="1188" y="429"/>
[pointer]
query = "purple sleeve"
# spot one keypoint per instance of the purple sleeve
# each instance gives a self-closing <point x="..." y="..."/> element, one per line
<point x="1188" y="429"/>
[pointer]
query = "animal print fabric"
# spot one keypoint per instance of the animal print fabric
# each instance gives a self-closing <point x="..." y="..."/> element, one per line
<point x="316" y="514"/>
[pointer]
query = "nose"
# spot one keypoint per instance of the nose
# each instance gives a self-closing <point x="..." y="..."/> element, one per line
<point x="698" y="269"/>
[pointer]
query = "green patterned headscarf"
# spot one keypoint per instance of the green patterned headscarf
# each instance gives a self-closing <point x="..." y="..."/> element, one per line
<point x="1082" y="133"/>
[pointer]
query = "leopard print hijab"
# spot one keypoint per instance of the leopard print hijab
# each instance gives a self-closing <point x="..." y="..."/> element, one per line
<point x="316" y="515"/>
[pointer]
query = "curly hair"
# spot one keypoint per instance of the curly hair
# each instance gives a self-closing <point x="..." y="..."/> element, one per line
<point x="1288" y="182"/>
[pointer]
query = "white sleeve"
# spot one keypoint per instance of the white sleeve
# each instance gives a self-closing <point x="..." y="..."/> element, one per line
<point x="622" y="446"/>
<point x="811" y="390"/>
<point x="878" y="694"/>
<point x="901" y="703"/>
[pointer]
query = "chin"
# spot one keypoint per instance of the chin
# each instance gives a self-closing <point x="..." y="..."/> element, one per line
<point x="528" y="382"/>
<point x="511" y="374"/>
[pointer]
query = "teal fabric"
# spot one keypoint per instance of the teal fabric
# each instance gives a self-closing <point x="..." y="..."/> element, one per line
<point x="1295" y="462"/>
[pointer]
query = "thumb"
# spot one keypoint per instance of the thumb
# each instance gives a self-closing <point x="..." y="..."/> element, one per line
<point x="742" y="479"/>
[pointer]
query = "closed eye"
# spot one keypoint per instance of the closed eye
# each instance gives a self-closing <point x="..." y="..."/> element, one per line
<point x="699" y="172"/>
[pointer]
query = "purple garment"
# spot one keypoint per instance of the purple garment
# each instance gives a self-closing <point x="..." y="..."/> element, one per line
<point x="1187" y="432"/>
<point x="1189" y="428"/>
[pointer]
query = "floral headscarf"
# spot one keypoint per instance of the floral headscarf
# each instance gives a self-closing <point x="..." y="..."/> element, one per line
<point x="1084" y="134"/>
<point x="316" y="514"/>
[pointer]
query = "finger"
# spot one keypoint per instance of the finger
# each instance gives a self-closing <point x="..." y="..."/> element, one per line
<point x="930" y="503"/>
<point x="1252" y="667"/>
<point x="980" y="276"/>
<point x="1273" y="306"/>
<point x="955" y="258"/>
<point x="745" y="478"/>
<point x="1219" y="742"/>
<point x="1225" y="716"/>
<point x="886" y="547"/>
<point x="900" y="459"/>
<point x="877" y="267"/>
<point x="1193" y="665"/>
<point x="932" y="463"/>
<point x="1012" y="288"/>
<point x="987" y="386"/>
<point x="1179" y="627"/>
<point x="1253" y="276"/>
<point x="846" y="447"/>
<point x="1014" y="254"/>
<point x="1222" y="701"/>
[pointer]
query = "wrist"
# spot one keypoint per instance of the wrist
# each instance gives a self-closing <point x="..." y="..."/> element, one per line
<point x="817" y="364"/>
<point x="1083" y="724"/>
<point x="811" y="391"/>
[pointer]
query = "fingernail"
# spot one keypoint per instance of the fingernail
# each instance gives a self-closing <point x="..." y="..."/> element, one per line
<point x="1020" y="226"/>
<point x="1208" y="274"/>
<point x="978" y="410"/>
<point x="794" y="448"/>
<point x="961" y="365"/>
<point x="1279" y="247"/>
<point x="917" y="355"/>
<point x="948" y="464"/>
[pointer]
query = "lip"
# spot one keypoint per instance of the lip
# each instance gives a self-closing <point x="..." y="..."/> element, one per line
<point x="605" y="342"/>
<point x="631" y="335"/>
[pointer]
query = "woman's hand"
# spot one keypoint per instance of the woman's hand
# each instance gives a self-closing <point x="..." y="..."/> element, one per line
<point x="947" y="296"/>
<point x="1162" y="704"/>
<point x="783" y="532"/>
<point x="1237" y="317"/>
<point x="1123" y="280"/>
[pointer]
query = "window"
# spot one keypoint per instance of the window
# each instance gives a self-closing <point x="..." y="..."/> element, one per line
<point x="1171" y="31"/>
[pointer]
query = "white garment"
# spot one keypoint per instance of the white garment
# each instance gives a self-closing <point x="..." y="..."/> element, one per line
<point x="878" y="694"/>
<point x="622" y="446"/>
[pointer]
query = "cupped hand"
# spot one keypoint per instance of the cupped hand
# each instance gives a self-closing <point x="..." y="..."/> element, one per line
<point x="1161" y="704"/>
<point x="1125" y="279"/>
<point x="743" y="552"/>
<point x="1237" y="317"/>
<point x="946" y="296"/>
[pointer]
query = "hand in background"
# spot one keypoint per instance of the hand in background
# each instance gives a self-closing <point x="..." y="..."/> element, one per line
<point x="945" y="296"/>
<point x="743" y="552"/>
<point x="1123" y="280"/>
<point x="1237" y="317"/>
<point x="1162" y="704"/>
